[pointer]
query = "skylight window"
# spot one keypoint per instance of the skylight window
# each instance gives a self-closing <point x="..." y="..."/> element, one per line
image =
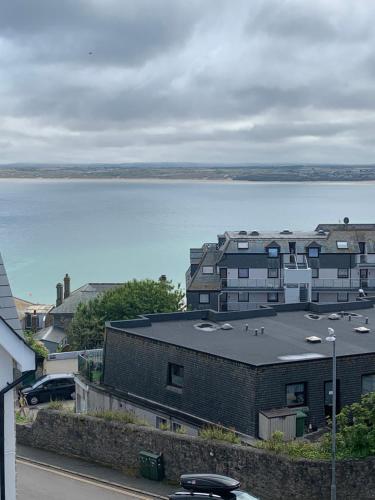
<point x="243" y="245"/>
<point x="342" y="245"/>
<point x="208" y="270"/>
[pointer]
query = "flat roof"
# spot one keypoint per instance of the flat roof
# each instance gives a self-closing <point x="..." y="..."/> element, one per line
<point x="283" y="340"/>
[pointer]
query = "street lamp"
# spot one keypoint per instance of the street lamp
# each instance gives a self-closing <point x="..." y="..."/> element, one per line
<point x="332" y="338"/>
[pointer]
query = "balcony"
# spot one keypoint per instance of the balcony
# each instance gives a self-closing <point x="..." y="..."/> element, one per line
<point x="349" y="283"/>
<point x="90" y="365"/>
<point x="252" y="284"/>
<point x="365" y="260"/>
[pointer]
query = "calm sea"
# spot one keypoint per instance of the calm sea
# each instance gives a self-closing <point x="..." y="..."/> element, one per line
<point x="111" y="231"/>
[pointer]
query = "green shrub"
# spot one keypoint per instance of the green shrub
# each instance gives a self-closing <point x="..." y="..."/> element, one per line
<point x="125" y="416"/>
<point x="22" y="419"/>
<point x="219" y="434"/>
<point x="55" y="405"/>
<point x="294" y="449"/>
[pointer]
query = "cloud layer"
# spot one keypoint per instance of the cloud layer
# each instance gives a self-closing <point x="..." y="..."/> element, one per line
<point x="175" y="80"/>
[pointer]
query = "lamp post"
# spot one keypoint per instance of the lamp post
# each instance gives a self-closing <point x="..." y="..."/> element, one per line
<point x="332" y="338"/>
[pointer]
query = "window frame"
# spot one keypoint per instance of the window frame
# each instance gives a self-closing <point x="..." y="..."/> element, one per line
<point x="292" y="405"/>
<point x="317" y="296"/>
<point x="346" y="273"/>
<point x="204" y="301"/>
<point x="269" y="252"/>
<point x="362" y="377"/>
<point x="241" y="300"/>
<point x="315" y="270"/>
<point x="276" y="294"/>
<point x="347" y="297"/>
<point x="160" y="421"/>
<point x="246" y="269"/>
<point x="272" y="269"/>
<point x="309" y="250"/>
<point x="171" y="381"/>
<point x="242" y="245"/>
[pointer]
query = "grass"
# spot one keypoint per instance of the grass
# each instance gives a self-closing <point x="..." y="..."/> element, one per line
<point x="295" y="449"/>
<point x="56" y="405"/>
<point x="127" y="417"/>
<point x="219" y="434"/>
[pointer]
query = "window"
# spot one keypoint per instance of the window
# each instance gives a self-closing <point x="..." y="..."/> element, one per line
<point x="273" y="252"/>
<point x="313" y="252"/>
<point x="204" y="298"/>
<point x="243" y="272"/>
<point x="242" y="245"/>
<point x="315" y="272"/>
<point x="223" y="272"/>
<point x="272" y="297"/>
<point x="176" y="427"/>
<point x="243" y="296"/>
<point x="342" y="245"/>
<point x="273" y="273"/>
<point x="175" y="375"/>
<point x="343" y="297"/>
<point x="343" y="273"/>
<point x="296" y="394"/>
<point x="315" y="296"/>
<point x="161" y="423"/>
<point x="362" y="247"/>
<point x="28" y="323"/>
<point x="368" y="383"/>
<point x="207" y="270"/>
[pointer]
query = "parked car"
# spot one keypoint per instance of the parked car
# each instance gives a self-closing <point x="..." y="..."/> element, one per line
<point x="210" y="487"/>
<point x="55" y="386"/>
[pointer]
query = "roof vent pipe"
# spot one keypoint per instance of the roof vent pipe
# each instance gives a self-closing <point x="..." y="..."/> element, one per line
<point x="262" y="330"/>
<point x="256" y="332"/>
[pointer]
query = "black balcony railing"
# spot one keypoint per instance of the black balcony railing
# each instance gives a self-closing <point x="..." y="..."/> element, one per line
<point x="90" y="365"/>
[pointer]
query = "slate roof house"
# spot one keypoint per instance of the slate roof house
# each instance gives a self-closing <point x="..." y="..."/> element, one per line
<point x="246" y="268"/>
<point x="14" y="353"/>
<point x="67" y="302"/>
<point x="193" y="368"/>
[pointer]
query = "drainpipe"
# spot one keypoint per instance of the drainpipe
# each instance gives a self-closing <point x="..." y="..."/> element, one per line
<point x="6" y="389"/>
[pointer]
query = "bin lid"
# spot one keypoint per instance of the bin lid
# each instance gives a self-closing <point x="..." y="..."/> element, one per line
<point x="149" y="454"/>
<point x="301" y="414"/>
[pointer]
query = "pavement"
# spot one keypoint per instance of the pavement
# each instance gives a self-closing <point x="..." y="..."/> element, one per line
<point x="44" y="475"/>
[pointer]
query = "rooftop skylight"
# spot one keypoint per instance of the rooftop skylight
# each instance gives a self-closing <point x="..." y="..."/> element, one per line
<point x="342" y="245"/>
<point x="243" y="245"/>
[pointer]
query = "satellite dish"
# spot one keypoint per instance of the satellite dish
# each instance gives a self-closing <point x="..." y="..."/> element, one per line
<point x="346" y="220"/>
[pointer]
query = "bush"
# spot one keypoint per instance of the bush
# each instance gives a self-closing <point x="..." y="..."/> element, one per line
<point x="127" y="417"/>
<point x="56" y="405"/>
<point x="22" y="419"/>
<point x="294" y="449"/>
<point x="36" y="345"/>
<point x="219" y="434"/>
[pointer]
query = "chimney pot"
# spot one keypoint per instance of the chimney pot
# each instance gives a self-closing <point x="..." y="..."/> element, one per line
<point x="66" y="286"/>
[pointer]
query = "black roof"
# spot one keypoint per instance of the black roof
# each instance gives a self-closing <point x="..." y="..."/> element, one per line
<point x="283" y="340"/>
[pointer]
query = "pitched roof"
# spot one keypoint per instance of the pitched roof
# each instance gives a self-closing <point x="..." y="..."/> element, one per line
<point x="8" y="309"/>
<point x="83" y="294"/>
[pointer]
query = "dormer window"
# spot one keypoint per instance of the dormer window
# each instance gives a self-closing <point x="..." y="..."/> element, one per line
<point x="313" y="252"/>
<point x="242" y="245"/>
<point x="342" y="245"/>
<point x="273" y="252"/>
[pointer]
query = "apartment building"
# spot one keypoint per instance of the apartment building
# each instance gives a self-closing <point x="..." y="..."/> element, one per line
<point x="333" y="263"/>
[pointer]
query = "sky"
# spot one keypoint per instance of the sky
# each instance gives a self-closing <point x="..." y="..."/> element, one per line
<point x="187" y="81"/>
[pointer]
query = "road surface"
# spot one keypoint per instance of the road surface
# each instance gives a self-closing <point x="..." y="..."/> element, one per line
<point x="38" y="482"/>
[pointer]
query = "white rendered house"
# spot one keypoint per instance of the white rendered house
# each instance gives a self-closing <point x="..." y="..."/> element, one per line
<point x="14" y="353"/>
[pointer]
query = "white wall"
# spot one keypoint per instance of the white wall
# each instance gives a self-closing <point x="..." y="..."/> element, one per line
<point x="6" y="376"/>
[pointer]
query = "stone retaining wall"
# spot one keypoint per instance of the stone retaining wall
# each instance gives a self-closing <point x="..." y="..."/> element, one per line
<point x="266" y="475"/>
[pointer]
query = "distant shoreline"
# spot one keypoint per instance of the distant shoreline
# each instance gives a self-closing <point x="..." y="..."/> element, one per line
<point x="156" y="180"/>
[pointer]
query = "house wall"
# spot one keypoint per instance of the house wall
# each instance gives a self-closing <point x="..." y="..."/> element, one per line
<point x="140" y="366"/>
<point x="6" y="376"/>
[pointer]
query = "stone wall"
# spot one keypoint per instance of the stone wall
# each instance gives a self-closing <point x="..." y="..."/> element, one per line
<point x="266" y="475"/>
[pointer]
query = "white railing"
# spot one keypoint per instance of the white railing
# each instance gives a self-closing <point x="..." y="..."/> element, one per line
<point x="252" y="283"/>
<point x="337" y="283"/>
<point x="365" y="258"/>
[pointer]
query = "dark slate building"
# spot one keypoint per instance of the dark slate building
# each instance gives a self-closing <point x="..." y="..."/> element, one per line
<point x="245" y="268"/>
<point x="204" y="367"/>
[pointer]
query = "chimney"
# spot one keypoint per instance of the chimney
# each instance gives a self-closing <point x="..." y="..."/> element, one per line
<point x="34" y="321"/>
<point x="163" y="278"/>
<point x="59" y="294"/>
<point x="66" y="286"/>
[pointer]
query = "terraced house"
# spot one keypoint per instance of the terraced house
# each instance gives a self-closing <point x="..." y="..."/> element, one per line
<point x="333" y="263"/>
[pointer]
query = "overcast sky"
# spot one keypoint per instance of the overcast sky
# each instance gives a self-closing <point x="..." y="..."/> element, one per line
<point x="187" y="80"/>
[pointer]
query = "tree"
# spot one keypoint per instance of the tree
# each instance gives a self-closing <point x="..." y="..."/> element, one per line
<point x="36" y="345"/>
<point x="86" y="330"/>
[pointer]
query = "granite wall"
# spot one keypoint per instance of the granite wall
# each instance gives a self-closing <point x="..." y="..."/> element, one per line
<point x="268" y="476"/>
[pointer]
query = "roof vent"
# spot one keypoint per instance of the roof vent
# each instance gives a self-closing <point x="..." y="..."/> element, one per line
<point x="243" y="232"/>
<point x="254" y="233"/>
<point x="286" y="231"/>
<point x="313" y="316"/>
<point x="321" y="231"/>
<point x="226" y="326"/>
<point x="313" y="339"/>
<point x="206" y="327"/>
<point x="362" y="329"/>
<point x="334" y="316"/>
